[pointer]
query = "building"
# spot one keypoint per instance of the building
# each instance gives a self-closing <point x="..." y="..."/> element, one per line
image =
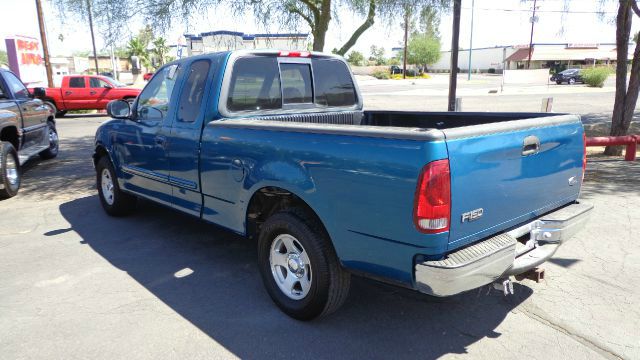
<point x="223" y="40"/>
<point x="544" y="55"/>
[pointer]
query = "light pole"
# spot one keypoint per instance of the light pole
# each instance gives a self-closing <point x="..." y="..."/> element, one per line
<point x="45" y="46"/>
<point x="455" y="44"/>
<point x="93" y="39"/>
<point x="533" y="21"/>
<point x="471" y="39"/>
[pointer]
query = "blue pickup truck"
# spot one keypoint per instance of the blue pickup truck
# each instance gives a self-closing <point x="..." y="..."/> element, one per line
<point x="275" y="146"/>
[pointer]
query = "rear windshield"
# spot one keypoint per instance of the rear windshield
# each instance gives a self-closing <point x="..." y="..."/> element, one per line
<point x="260" y="83"/>
<point x="333" y="83"/>
<point x="255" y="85"/>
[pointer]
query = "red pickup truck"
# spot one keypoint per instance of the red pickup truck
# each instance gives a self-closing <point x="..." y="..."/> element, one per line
<point x="86" y="92"/>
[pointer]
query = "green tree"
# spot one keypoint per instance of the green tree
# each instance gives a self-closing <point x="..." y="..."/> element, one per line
<point x="377" y="55"/>
<point x="355" y="58"/>
<point x="136" y="47"/>
<point x="423" y="50"/>
<point x="160" y="50"/>
<point x="3" y="57"/>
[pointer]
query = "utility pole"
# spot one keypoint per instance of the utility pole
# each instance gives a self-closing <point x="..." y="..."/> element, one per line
<point x="455" y="42"/>
<point x="93" y="39"/>
<point x="45" y="46"/>
<point x="406" y="35"/>
<point x="473" y="3"/>
<point x="533" y="21"/>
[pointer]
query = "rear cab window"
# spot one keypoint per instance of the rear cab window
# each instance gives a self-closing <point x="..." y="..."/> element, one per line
<point x="266" y="84"/>
<point x="76" y="82"/>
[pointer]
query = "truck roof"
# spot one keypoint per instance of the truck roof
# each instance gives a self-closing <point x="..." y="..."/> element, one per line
<point x="275" y="52"/>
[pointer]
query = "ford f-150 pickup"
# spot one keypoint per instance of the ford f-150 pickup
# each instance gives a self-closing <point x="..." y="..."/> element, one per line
<point x="27" y="128"/>
<point x="275" y="146"/>
<point x="86" y="92"/>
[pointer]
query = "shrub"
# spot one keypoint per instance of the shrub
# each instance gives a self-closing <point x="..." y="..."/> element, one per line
<point x="595" y="77"/>
<point x="380" y="74"/>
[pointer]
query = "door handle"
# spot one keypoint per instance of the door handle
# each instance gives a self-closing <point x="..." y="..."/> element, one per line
<point x="68" y="92"/>
<point x="92" y="92"/>
<point x="160" y="140"/>
<point x="530" y="145"/>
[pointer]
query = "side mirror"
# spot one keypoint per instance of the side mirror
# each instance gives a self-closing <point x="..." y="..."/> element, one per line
<point x="39" y="92"/>
<point x="119" y="109"/>
<point x="108" y="87"/>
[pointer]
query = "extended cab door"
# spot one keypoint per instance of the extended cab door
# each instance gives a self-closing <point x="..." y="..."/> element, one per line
<point x="99" y="91"/>
<point x="76" y="94"/>
<point x="34" y="115"/>
<point x="142" y="149"/>
<point x="184" y="144"/>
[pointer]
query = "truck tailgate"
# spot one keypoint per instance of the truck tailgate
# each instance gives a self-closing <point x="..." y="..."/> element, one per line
<point x="500" y="177"/>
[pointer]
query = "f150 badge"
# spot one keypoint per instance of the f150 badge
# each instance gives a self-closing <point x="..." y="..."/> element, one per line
<point x="472" y="215"/>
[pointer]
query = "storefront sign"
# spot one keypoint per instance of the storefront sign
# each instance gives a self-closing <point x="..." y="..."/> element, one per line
<point x="25" y="58"/>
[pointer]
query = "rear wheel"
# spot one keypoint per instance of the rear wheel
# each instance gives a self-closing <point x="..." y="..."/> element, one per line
<point x="299" y="266"/>
<point x="52" y="151"/>
<point x="113" y="200"/>
<point x="10" y="174"/>
<point x="572" y="81"/>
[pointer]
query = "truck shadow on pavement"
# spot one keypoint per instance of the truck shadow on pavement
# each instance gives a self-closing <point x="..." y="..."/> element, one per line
<point x="209" y="276"/>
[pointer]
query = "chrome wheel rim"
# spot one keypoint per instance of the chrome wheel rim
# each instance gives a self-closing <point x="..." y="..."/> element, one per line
<point x="106" y="183"/>
<point x="290" y="266"/>
<point x="53" y="139"/>
<point x="11" y="170"/>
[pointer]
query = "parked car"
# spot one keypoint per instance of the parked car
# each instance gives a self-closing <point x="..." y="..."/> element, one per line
<point x="86" y="92"/>
<point x="395" y="69"/>
<point x="147" y="76"/>
<point x="27" y="129"/>
<point x="440" y="202"/>
<point x="570" y="76"/>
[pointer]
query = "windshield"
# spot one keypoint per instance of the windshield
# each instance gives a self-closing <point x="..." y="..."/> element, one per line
<point x="115" y="82"/>
<point x="569" y="72"/>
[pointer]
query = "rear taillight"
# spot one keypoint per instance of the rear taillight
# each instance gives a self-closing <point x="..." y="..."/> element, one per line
<point x="432" y="207"/>
<point x="294" y="54"/>
<point x="584" y="154"/>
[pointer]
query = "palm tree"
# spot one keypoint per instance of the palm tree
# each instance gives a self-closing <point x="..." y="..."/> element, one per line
<point x="136" y="47"/>
<point x="160" y="49"/>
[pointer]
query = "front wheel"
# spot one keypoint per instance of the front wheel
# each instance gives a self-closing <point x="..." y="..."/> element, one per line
<point x="558" y="82"/>
<point x="572" y="81"/>
<point x="52" y="151"/>
<point x="299" y="266"/>
<point x="113" y="200"/>
<point x="10" y="174"/>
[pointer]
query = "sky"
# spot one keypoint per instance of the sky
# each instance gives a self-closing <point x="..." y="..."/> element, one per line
<point x="495" y="22"/>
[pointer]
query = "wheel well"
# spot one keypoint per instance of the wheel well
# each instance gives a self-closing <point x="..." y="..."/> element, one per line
<point x="48" y="99"/>
<point x="10" y="134"/>
<point x="99" y="152"/>
<point x="270" y="200"/>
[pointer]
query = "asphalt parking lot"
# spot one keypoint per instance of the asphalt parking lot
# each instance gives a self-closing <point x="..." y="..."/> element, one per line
<point x="76" y="283"/>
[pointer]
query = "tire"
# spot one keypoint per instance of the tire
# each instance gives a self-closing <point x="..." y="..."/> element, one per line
<point x="61" y="113"/>
<point x="572" y="81"/>
<point x="54" y="143"/>
<point x="113" y="200"/>
<point x="52" y="107"/>
<point x="305" y="254"/>
<point x="10" y="176"/>
<point x="558" y="82"/>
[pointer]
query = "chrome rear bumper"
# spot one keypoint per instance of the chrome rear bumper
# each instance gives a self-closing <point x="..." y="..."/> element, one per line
<point x="501" y="255"/>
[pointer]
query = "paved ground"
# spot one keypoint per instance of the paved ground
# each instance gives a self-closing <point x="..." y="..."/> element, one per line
<point x="77" y="284"/>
